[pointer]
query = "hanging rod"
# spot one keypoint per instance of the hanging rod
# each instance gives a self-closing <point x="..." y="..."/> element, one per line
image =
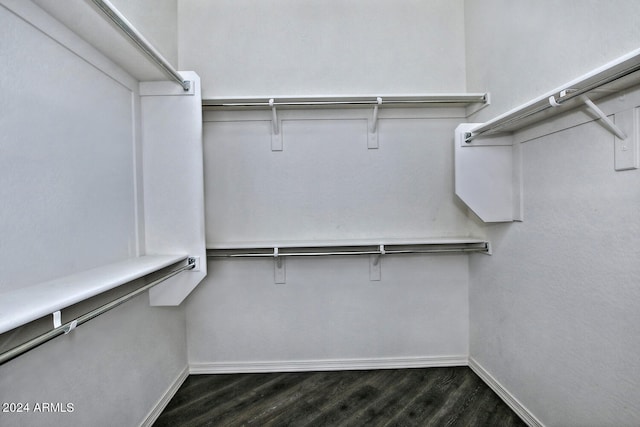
<point x="613" y="72"/>
<point x="345" y="101"/>
<point x="67" y="327"/>
<point x="309" y="250"/>
<point x="129" y="30"/>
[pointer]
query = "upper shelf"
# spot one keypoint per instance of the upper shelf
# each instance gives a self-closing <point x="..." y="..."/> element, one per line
<point x="87" y="21"/>
<point x="100" y="24"/>
<point x="348" y="247"/>
<point x="617" y="75"/>
<point x="27" y="304"/>
<point x="348" y="101"/>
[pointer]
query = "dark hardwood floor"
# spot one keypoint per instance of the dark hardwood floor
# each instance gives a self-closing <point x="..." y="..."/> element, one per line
<point x="395" y="397"/>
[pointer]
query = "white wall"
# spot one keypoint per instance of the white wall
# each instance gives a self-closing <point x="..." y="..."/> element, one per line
<point x="113" y="369"/>
<point x="67" y="168"/>
<point x="288" y="47"/>
<point x="552" y="312"/>
<point x="327" y="185"/>
<point x="520" y="50"/>
<point x="68" y="179"/>
<point x="329" y="314"/>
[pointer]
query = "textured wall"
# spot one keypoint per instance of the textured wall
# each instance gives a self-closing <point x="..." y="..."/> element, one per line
<point x="326" y="185"/>
<point x="552" y="312"/>
<point x="520" y="50"/>
<point x="288" y="47"/>
<point x="113" y="369"/>
<point x="329" y="310"/>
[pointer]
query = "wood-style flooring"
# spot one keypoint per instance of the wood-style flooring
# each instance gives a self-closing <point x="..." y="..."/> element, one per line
<point x="395" y="397"/>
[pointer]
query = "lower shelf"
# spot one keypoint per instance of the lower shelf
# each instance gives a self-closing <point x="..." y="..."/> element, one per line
<point x="30" y="303"/>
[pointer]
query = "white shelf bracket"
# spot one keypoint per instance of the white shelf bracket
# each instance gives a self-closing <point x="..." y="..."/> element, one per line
<point x="375" y="265"/>
<point x="276" y="137"/>
<point x="605" y="121"/>
<point x="279" y="268"/>
<point x="373" y="126"/>
<point x="57" y="319"/>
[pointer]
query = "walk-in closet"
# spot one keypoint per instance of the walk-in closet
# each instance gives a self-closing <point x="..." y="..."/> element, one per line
<point x="294" y="190"/>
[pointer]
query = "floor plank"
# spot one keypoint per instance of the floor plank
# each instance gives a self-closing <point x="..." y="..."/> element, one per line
<point x="382" y="398"/>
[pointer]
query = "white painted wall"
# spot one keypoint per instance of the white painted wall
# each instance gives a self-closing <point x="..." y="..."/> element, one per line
<point x="329" y="313"/>
<point x="67" y="164"/>
<point x="288" y="47"/>
<point x="113" y="369"/>
<point x="327" y="185"/>
<point x="520" y="50"/>
<point x="552" y="312"/>
<point x="68" y="134"/>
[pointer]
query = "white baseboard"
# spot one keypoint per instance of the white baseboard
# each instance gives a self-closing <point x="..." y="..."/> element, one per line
<point x="155" y="412"/>
<point x="504" y="394"/>
<point x="327" y="365"/>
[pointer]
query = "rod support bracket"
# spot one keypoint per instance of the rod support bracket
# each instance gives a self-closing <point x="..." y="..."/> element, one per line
<point x="467" y="137"/>
<point x="279" y="268"/>
<point x="375" y="268"/>
<point x="604" y="120"/>
<point x="372" y="142"/>
<point x="276" y="137"/>
<point x="71" y="326"/>
<point x="57" y="319"/>
<point x="194" y="262"/>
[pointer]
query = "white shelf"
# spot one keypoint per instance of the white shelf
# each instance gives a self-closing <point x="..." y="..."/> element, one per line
<point x="348" y="101"/>
<point x="612" y="77"/>
<point x="88" y="22"/>
<point x="345" y="243"/>
<point x="27" y="304"/>
<point x="348" y="247"/>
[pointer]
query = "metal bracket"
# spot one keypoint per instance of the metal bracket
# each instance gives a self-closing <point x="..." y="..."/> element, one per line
<point x="372" y="141"/>
<point x="279" y="268"/>
<point x="489" y="250"/>
<point x="276" y="137"/>
<point x="195" y="262"/>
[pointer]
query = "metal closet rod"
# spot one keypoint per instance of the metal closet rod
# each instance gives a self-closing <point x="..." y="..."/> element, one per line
<point x="119" y="20"/>
<point x="347" y="100"/>
<point x="67" y="327"/>
<point x="562" y="97"/>
<point x="382" y="250"/>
